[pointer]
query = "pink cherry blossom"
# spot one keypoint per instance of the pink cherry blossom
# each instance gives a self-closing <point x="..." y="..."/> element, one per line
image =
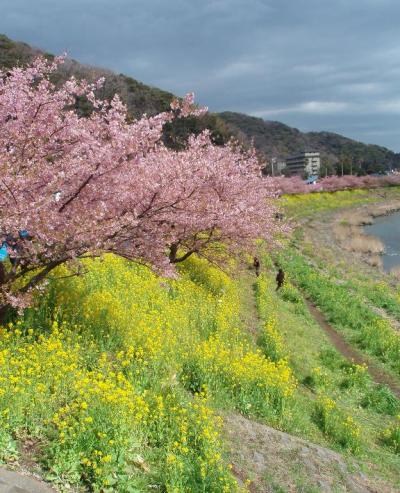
<point x="296" y="185"/>
<point x="85" y="186"/>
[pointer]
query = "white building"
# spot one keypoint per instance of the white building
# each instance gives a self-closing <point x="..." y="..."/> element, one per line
<point x="305" y="163"/>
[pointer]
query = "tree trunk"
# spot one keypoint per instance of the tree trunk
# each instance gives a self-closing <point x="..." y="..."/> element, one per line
<point x="3" y="274"/>
<point x="173" y="250"/>
<point x="6" y="313"/>
<point x="3" y="308"/>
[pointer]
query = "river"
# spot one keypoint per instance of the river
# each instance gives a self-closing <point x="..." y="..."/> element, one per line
<point x="387" y="229"/>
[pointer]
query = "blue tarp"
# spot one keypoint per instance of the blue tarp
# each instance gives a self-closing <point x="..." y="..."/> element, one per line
<point x="311" y="180"/>
<point x="3" y="252"/>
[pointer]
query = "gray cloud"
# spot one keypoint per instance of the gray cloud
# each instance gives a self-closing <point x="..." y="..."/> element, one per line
<point x="315" y="64"/>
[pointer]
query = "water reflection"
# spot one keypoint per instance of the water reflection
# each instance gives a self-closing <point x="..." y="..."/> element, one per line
<point x="387" y="229"/>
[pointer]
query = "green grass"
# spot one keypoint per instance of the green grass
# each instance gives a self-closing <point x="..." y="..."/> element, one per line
<point x="345" y="309"/>
<point x="361" y="408"/>
<point x="337" y="404"/>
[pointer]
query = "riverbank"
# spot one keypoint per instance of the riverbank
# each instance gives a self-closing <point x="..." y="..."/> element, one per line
<point x="349" y="229"/>
<point x="336" y="224"/>
<point x="362" y="306"/>
<point x="317" y="249"/>
<point x="335" y="388"/>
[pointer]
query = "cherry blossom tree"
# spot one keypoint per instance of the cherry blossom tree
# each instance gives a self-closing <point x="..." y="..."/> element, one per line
<point x="295" y="185"/>
<point x="72" y="187"/>
<point x="222" y="200"/>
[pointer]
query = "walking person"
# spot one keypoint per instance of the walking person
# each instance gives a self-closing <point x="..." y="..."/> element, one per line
<point x="12" y="245"/>
<point x="256" y="264"/>
<point x="280" y="279"/>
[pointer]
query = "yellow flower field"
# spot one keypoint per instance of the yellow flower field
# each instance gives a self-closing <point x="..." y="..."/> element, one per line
<point x="115" y="374"/>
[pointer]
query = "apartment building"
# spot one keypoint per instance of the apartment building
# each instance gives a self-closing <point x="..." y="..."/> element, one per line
<point x="305" y="163"/>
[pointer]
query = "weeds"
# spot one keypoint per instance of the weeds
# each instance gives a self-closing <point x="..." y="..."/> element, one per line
<point x="381" y="399"/>
<point x="346" y="311"/>
<point x="342" y="429"/>
<point x="391" y="436"/>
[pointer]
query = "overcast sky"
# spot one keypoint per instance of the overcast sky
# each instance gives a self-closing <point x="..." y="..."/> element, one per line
<point x="314" y="64"/>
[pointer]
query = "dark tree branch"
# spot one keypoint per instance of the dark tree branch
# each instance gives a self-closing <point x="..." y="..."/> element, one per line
<point x="73" y="197"/>
<point x="173" y="254"/>
<point x="184" y="257"/>
<point x="41" y="275"/>
<point x="10" y="191"/>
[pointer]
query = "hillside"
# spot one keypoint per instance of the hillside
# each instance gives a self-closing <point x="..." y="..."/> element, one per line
<point x="139" y="98"/>
<point x="123" y="381"/>
<point x="275" y="139"/>
<point x="272" y="139"/>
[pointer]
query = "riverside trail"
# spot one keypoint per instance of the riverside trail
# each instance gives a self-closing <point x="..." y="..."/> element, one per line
<point x="267" y="459"/>
<point x="350" y="353"/>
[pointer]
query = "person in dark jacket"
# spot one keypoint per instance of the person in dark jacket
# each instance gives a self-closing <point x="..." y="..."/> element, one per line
<point x="13" y="248"/>
<point x="256" y="264"/>
<point x="280" y="279"/>
<point x="12" y="245"/>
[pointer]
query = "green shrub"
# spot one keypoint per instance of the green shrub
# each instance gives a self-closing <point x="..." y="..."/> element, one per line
<point x="290" y="293"/>
<point x="391" y="436"/>
<point x="336" y="425"/>
<point x="331" y="359"/>
<point x="355" y="376"/>
<point x="381" y="399"/>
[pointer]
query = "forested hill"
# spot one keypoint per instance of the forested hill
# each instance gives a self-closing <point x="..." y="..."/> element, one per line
<point x="139" y="98"/>
<point x="272" y="139"/>
<point x="275" y="139"/>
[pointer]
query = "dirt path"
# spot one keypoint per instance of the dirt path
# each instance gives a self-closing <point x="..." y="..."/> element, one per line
<point x="269" y="460"/>
<point x="378" y="375"/>
<point x="249" y="312"/>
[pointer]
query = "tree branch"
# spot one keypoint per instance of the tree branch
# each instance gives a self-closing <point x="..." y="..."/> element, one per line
<point x="41" y="275"/>
<point x="184" y="257"/>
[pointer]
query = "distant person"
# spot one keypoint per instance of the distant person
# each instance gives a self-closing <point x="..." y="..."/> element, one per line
<point x="280" y="279"/>
<point x="256" y="264"/>
<point x="3" y="258"/>
<point x="13" y="248"/>
<point x="12" y="245"/>
<point x="3" y="251"/>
